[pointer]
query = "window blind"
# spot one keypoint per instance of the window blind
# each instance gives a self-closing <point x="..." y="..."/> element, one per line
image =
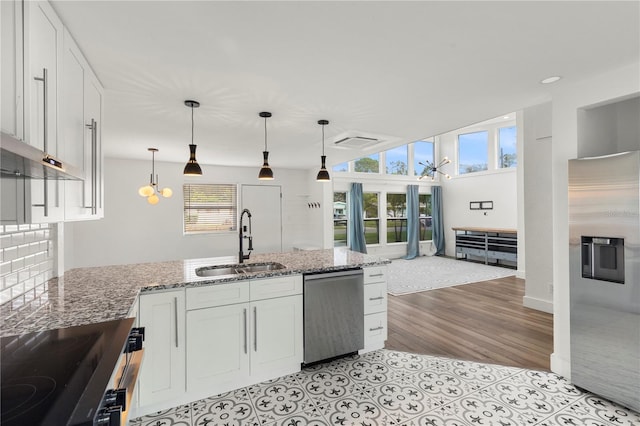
<point x="210" y="208"/>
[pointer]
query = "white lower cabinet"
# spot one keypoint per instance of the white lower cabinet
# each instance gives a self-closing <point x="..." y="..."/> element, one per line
<point x="162" y="378"/>
<point x="375" y="308"/>
<point x="243" y="333"/>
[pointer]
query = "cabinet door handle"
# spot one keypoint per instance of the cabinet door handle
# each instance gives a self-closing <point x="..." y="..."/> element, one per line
<point x="45" y="83"/>
<point x="376" y="329"/>
<point x="245" y="330"/>
<point x="255" y="329"/>
<point x="175" y="310"/>
<point x="94" y="161"/>
<point x="376" y="275"/>
<point x="376" y="298"/>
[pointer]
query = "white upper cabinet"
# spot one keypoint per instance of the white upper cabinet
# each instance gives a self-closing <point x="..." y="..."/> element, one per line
<point x="11" y="120"/>
<point x="43" y="47"/>
<point x="80" y="132"/>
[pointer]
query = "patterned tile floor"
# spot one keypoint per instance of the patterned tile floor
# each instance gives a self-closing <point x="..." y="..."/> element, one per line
<point x="395" y="388"/>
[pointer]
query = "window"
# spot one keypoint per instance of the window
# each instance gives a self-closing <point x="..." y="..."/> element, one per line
<point x="422" y="152"/>
<point x="396" y="218"/>
<point x="371" y="218"/>
<point x="424" y="207"/>
<point x="396" y="161"/>
<point x="507" y="152"/>
<point x="370" y="164"/>
<point x="209" y="208"/>
<point x="473" y="152"/>
<point x="342" y="167"/>
<point x="340" y="225"/>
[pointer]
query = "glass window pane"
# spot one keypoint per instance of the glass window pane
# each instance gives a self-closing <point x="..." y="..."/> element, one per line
<point x="371" y="214"/>
<point x="473" y="152"/>
<point x="340" y="219"/>
<point x="396" y="218"/>
<point x="209" y="208"/>
<point x="508" y="152"/>
<point x="426" y="227"/>
<point x="422" y="153"/>
<point x="370" y="164"/>
<point x="396" y="161"/>
<point x="342" y="167"/>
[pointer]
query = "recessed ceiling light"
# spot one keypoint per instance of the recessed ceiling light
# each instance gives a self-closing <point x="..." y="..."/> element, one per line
<point x="551" y="79"/>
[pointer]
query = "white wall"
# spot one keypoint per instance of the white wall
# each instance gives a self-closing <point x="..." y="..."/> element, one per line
<point x="538" y="214"/>
<point x="567" y="99"/>
<point x="134" y="231"/>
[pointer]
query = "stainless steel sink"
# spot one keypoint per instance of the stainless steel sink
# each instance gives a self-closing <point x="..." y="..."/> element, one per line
<point x="212" y="271"/>
<point x="262" y="267"/>
<point x="215" y="271"/>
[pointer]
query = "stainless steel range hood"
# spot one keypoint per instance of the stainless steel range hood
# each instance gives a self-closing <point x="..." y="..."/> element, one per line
<point x="18" y="159"/>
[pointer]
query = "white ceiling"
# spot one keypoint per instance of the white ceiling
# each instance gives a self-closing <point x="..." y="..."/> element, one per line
<point x="399" y="70"/>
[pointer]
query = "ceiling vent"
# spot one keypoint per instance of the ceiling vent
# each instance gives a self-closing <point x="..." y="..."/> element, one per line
<point x="356" y="142"/>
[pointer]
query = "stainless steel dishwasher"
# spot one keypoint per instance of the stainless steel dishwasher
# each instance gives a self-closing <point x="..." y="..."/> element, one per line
<point x="333" y="314"/>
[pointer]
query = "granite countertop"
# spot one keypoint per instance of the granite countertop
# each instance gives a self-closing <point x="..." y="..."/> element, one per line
<point x="90" y="295"/>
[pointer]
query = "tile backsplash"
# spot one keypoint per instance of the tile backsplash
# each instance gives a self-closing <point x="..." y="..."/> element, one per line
<point x="26" y="263"/>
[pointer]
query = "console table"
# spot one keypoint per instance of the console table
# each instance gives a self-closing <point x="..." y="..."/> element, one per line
<point x="490" y="244"/>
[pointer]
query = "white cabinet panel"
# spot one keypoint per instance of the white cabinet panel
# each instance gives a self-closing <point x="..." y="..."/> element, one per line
<point x="217" y="295"/>
<point x="277" y="335"/>
<point x="11" y="72"/>
<point x="217" y="346"/>
<point x="162" y="376"/>
<point x="276" y="287"/>
<point x="375" y="307"/>
<point x="80" y="131"/>
<point x="375" y="298"/>
<point x="43" y="47"/>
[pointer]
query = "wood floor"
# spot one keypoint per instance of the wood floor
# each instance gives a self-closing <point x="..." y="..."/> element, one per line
<point x="483" y="322"/>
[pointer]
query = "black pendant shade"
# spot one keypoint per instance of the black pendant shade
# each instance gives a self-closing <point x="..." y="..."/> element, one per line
<point x="192" y="168"/>
<point x="323" y="174"/>
<point x="265" y="171"/>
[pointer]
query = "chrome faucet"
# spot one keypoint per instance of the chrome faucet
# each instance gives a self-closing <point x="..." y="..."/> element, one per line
<point x="243" y="230"/>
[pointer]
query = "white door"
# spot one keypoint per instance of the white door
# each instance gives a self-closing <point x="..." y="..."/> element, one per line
<point x="264" y="203"/>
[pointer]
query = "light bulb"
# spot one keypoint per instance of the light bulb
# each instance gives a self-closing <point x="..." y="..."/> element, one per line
<point x="448" y="177"/>
<point x="166" y="192"/>
<point x="145" y="191"/>
<point x="153" y="199"/>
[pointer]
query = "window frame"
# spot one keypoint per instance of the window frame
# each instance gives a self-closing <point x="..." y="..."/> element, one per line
<point x="402" y="219"/>
<point x="233" y="206"/>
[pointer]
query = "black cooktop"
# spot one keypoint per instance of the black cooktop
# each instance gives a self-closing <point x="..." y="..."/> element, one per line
<point x="58" y="377"/>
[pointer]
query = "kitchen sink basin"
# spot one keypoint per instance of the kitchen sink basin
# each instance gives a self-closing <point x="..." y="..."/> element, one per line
<point x="262" y="267"/>
<point x="214" y="271"/>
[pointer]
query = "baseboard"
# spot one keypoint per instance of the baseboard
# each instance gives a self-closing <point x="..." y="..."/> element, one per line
<point x="537" y="304"/>
<point x="560" y="366"/>
<point x="520" y="274"/>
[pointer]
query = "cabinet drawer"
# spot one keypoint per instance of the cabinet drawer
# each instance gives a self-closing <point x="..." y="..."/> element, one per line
<point x="268" y="288"/>
<point x="375" y="298"/>
<point x="375" y="274"/>
<point x="217" y="295"/>
<point x="375" y="327"/>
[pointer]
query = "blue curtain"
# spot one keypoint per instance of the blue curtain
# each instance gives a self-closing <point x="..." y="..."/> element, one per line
<point x="437" y="221"/>
<point x="356" y="219"/>
<point x="413" y="223"/>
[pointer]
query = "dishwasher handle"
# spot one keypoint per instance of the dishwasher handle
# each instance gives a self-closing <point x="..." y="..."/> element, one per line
<point x="340" y="273"/>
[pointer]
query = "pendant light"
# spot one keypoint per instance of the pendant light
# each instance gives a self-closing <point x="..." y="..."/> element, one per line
<point x="151" y="191"/>
<point x="192" y="168"/>
<point x="432" y="169"/>
<point x="265" y="171"/>
<point x="323" y="174"/>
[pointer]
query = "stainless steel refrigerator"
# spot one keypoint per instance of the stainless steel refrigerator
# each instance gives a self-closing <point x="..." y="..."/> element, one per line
<point x="604" y="246"/>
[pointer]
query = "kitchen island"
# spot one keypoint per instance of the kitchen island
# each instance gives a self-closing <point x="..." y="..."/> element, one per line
<point x="90" y="295"/>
